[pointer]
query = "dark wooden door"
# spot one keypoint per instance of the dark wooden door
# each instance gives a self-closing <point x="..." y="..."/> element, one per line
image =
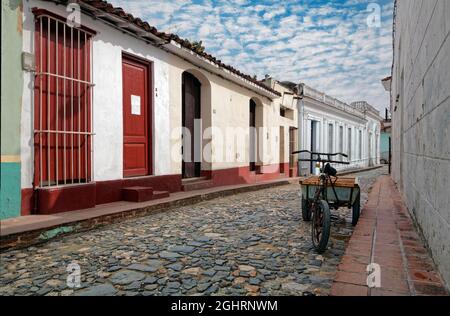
<point x="314" y="144"/>
<point x="252" y="145"/>
<point x="282" y="149"/>
<point x="190" y="112"/>
<point x="136" y="118"/>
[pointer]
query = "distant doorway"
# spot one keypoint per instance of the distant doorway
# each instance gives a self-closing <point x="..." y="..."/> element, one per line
<point x="314" y="142"/>
<point x="253" y="133"/>
<point x="191" y="111"/>
<point x="282" y="149"/>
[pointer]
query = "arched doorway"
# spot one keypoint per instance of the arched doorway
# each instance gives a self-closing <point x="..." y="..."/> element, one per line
<point x="255" y="125"/>
<point x="253" y="135"/>
<point x="191" y="115"/>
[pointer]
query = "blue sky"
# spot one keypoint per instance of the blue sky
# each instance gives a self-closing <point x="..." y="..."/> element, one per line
<point x="325" y="44"/>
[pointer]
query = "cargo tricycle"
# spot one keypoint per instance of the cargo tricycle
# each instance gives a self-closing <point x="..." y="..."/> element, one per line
<point x="324" y="192"/>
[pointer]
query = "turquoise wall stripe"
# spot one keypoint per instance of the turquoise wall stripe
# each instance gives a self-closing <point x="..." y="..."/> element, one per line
<point x="9" y="190"/>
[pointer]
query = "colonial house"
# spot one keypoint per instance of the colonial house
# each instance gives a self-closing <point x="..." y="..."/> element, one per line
<point x="330" y="125"/>
<point x="112" y="109"/>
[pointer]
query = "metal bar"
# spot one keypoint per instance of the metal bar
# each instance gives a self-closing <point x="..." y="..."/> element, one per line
<point x="48" y="101"/>
<point x="65" y="100"/>
<point x="61" y="132"/>
<point x="71" y="100"/>
<point x="64" y="77"/>
<point x="40" y="103"/>
<point x="85" y="111"/>
<point x="78" y="76"/>
<point x="79" y="111"/>
<point x="57" y="102"/>
<point x="91" y="112"/>
<point x="53" y="18"/>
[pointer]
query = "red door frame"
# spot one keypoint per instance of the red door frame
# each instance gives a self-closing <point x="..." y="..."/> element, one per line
<point x="149" y="65"/>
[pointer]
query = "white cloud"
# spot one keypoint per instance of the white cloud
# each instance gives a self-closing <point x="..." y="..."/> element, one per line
<point x="329" y="47"/>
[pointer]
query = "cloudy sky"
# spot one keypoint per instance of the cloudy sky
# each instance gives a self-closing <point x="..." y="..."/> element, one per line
<point x="334" y="46"/>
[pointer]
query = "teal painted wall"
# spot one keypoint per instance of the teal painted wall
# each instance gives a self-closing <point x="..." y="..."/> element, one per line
<point x="11" y="106"/>
<point x="10" y="190"/>
<point x="384" y="142"/>
<point x="384" y="146"/>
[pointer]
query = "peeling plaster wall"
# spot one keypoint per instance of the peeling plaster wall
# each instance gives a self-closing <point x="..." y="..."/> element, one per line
<point x="420" y="108"/>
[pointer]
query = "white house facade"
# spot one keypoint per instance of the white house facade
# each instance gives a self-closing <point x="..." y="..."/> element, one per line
<point x="328" y="125"/>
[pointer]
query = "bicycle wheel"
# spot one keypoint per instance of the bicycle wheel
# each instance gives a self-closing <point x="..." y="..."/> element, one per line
<point x="320" y="226"/>
<point x="306" y="210"/>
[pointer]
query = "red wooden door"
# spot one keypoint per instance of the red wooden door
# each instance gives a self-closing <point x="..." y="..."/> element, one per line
<point x="136" y="118"/>
<point x="191" y="112"/>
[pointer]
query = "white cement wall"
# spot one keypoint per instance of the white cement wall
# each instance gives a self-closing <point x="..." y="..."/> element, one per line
<point x="288" y="122"/>
<point x="420" y="108"/>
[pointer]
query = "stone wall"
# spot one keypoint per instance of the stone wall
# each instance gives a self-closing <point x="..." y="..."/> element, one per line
<point x="420" y="107"/>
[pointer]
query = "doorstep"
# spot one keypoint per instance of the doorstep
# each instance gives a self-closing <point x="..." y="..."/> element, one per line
<point x="32" y="229"/>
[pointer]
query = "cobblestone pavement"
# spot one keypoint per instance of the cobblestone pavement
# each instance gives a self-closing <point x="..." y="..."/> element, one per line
<point x="248" y="244"/>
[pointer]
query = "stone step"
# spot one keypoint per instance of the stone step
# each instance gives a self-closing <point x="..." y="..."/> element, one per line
<point x="197" y="185"/>
<point x="137" y="194"/>
<point x="160" y="195"/>
<point x="190" y="180"/>
<point x="142" y="194"/>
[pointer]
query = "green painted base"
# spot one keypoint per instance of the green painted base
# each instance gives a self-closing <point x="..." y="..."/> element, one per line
<point x="9" y="190"/>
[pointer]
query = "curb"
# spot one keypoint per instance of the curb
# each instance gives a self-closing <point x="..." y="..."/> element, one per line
<point x="347" y="172"/>
<point x="43" y="235"/>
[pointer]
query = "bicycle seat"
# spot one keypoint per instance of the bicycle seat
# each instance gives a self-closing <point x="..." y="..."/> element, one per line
<point x="329" y="170"/>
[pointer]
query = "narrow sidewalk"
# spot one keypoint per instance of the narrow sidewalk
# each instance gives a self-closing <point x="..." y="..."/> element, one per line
<point x="385" y="235"/>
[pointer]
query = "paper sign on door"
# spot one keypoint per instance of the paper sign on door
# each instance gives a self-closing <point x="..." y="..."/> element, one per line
<point x="135" y="105"/>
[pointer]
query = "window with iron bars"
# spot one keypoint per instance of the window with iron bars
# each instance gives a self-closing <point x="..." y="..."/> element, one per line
<point x="62" y="102"/>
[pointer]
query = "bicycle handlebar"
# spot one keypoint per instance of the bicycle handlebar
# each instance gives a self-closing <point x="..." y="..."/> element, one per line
<point x="319" y="159"/>
<point x="319" y="154"/>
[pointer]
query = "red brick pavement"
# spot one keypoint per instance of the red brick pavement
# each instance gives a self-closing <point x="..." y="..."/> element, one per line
<point x="385" y="234"/>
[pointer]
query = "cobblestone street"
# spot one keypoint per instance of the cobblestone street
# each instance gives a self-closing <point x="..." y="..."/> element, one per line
<point x="248" y="244"/>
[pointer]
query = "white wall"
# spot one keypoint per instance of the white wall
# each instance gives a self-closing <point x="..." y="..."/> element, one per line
<point x="420" y="107"/>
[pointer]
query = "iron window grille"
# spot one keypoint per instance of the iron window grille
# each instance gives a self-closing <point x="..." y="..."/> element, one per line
<point x="63" y="102"/>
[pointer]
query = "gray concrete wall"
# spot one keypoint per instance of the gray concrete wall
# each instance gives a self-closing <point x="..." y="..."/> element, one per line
<point x="421" y="119"/>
